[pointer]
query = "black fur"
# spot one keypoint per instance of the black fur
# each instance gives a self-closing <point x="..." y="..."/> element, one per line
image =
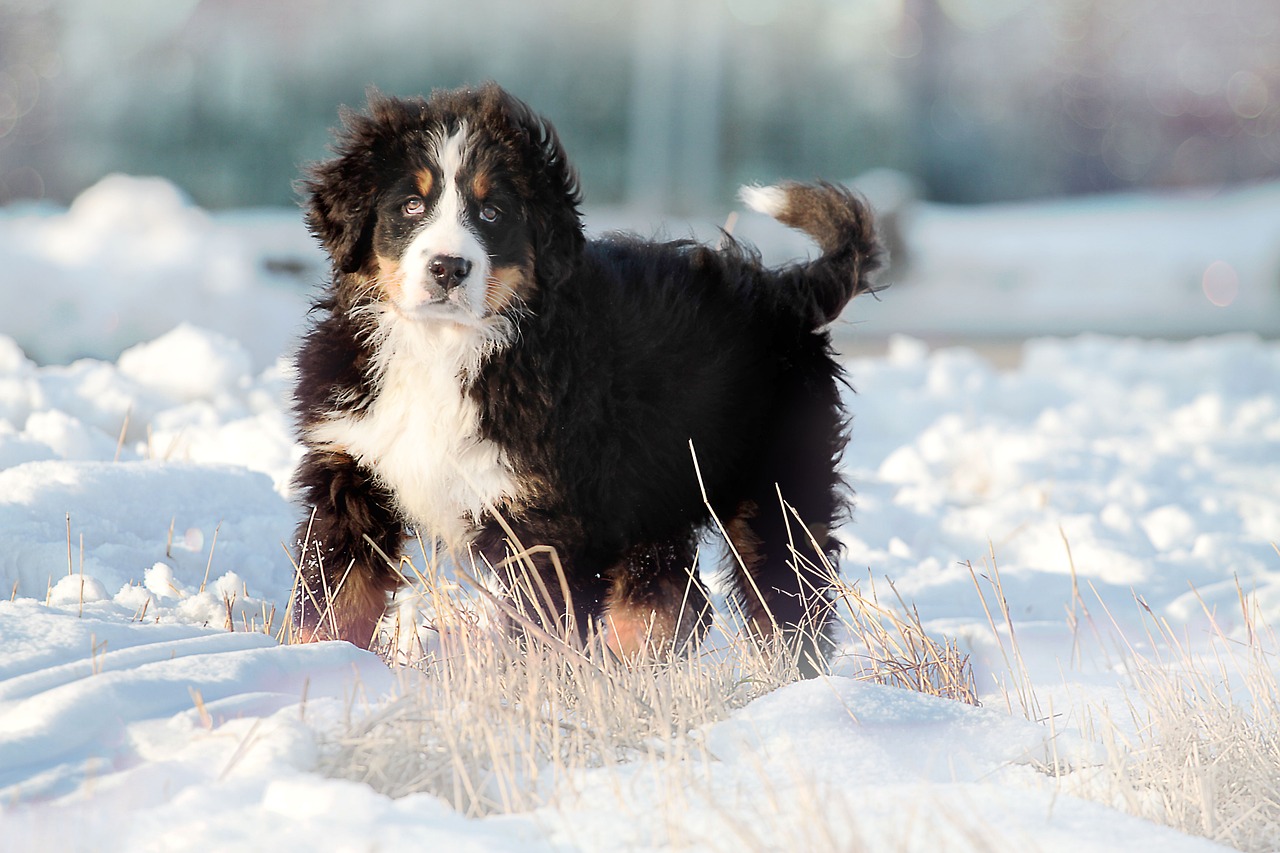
<point x="625" y="353"/>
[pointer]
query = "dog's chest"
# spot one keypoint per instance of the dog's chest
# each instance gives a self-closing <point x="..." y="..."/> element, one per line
<point x="421" y="438"/>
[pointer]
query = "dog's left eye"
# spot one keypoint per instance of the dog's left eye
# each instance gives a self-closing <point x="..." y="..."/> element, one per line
<point x="489" y="213"/>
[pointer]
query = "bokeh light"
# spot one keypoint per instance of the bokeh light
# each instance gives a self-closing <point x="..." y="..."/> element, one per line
<point x="1221" y="284"/>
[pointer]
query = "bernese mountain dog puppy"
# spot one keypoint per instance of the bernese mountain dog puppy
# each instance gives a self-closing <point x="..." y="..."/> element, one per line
<point x="480" y="372"/>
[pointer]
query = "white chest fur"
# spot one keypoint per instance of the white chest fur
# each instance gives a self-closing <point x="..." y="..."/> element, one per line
<point x="421" y="435"/>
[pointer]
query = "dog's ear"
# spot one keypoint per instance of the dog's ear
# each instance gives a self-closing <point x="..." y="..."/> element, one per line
<point x="340" y="194"/>
<point x="555" y="197"/>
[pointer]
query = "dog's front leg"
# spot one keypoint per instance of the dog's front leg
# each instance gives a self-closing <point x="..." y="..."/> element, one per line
<point x="346" y="546"/>
<point x="545" y="578"/>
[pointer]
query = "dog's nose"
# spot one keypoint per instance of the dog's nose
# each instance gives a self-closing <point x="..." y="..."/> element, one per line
<point x="449" y="271"/>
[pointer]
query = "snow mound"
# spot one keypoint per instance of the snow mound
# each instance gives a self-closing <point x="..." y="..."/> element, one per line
<point x="133" y="257"/>
<point x="187" y="363"/>
<point x="136" y="208"/>
<point x="112" y="523"/>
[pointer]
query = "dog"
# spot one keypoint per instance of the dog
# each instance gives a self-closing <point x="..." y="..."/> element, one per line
<point x="482" y="373"/>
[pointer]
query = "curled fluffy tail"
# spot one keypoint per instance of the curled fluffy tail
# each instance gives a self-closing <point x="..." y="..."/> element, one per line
<point x="842" y="225"/>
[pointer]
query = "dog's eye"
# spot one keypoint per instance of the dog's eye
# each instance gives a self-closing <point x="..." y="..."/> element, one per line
<point x="489" y="213"/>
<point x="414" y="206"/>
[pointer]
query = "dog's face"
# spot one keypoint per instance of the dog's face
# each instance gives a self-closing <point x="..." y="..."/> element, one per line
<point x="457" y="209"/>
<point x="450" y="236"/>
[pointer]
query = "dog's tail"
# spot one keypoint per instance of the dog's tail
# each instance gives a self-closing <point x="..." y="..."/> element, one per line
<point x="842" y="225"/>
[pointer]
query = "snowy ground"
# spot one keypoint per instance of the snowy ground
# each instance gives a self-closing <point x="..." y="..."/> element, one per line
<point x="144" y="498"/>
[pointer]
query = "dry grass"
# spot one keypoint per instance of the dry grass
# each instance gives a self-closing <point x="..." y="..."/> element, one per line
<point x="1198" y="745"/>
<point x="890" y="646"/>
<point x="495" y="726"/>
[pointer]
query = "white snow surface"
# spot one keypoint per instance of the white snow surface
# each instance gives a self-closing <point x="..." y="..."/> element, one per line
<point x="144" y="500"/>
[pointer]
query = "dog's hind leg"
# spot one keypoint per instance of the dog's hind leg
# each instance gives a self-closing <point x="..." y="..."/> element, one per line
<point x="785" y="557"/>
<point x="656" y="605"/>
<point x="782" y="576"/>
<point x="343" y="580"/>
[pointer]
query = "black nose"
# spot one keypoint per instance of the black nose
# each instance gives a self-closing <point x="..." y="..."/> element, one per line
<point x="449" y="271"/>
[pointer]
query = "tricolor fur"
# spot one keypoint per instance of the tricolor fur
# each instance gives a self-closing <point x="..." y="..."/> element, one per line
<point x="477" y="367"/>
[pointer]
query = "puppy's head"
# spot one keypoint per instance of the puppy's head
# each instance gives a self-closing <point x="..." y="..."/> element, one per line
<point x="458" y="207"/>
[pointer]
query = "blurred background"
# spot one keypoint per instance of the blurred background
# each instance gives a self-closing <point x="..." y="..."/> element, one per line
<point x="1040" y="166"/>
<point x="669" y="104"/>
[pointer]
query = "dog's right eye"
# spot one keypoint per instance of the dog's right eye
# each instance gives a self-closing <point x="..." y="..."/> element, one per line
<point x="414" y="206"/>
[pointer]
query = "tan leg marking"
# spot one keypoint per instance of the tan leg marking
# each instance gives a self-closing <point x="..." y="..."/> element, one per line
<point x="746" y="545"/>
<point x="667" y="621"/>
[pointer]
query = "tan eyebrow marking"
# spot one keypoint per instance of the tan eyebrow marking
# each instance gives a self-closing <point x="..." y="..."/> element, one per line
<point x="425" y="181"/>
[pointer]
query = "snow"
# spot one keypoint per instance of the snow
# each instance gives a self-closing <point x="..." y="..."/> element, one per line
<point x="145" y="456"/>
<point x="901" y="748"/>
<point x="1180" y="265"/>
<point x="132" y="257"/>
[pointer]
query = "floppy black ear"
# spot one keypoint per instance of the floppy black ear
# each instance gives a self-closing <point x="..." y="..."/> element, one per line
<point x="341" y="193"/>
<point x="555" y="196"/>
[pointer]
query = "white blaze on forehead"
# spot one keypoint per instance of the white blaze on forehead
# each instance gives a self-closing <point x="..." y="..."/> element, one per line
<point x="447" y="232"/>
<point x="450" y="153"/>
